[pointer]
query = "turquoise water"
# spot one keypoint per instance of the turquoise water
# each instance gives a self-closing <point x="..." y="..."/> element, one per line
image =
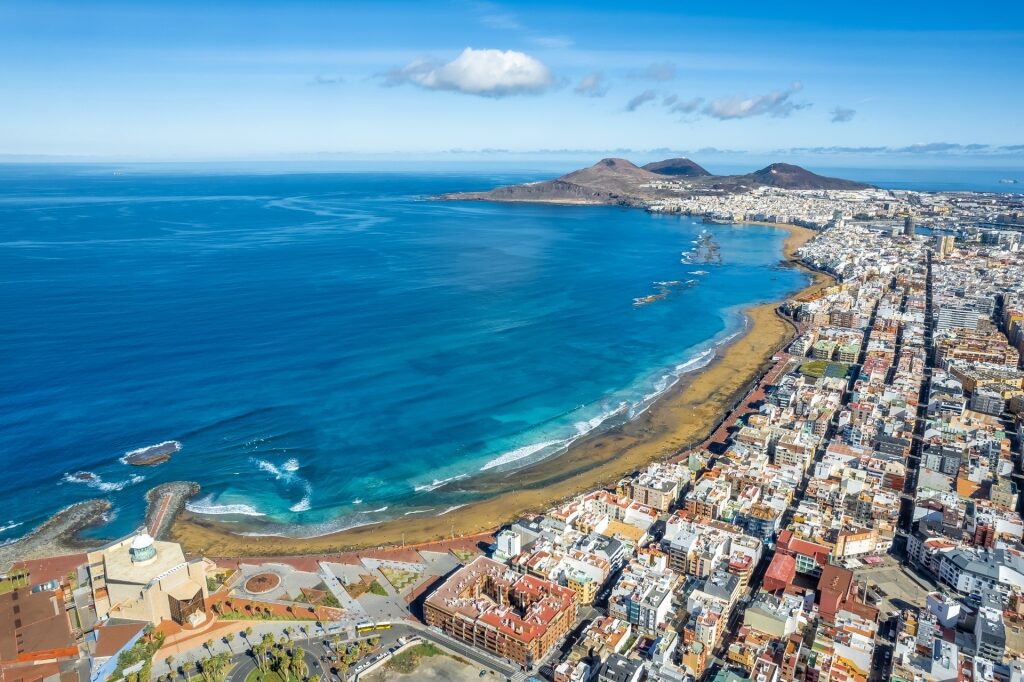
<point x="329" y="349"/>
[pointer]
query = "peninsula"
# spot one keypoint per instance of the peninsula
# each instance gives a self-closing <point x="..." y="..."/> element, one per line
<point x="618" y="181"/>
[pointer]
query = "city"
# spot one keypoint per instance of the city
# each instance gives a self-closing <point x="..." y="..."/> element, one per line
<point x="857" y="516"/>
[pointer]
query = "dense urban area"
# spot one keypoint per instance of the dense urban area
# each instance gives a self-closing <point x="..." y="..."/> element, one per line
<point x="856" y="517"/>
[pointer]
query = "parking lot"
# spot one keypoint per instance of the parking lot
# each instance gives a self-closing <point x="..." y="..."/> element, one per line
<point x="896" y="588"/>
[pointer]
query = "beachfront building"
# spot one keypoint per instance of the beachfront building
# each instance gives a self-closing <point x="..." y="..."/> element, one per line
<point x="490" y="606"/>
<point x="143" y="579"/>
<point x="36" y="641"/>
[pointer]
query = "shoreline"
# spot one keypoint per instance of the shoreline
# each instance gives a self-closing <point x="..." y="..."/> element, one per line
<point x="58" y="536"/>
<point x="681" y="418"/>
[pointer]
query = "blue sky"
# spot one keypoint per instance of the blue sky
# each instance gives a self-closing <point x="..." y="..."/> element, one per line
<point x="921" y="82"/>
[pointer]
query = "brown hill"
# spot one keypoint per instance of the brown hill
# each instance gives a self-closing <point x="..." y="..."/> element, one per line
<point x="618" y="181"/>
<point x="788" y="176"/>
<point x="677" y="167"/>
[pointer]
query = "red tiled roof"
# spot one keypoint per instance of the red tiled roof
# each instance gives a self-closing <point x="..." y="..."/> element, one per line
<point x="112" y="638"/>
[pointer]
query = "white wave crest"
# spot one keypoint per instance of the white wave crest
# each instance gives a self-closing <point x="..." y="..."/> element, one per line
<point x="451" y="509"/>
<point x="437" y="483"/>
<point x="377" y="511"/>
<point x="520" y="453"/>
<point x="358" y="500"/>
<point x="416" y="511"/>
<point x="696" y="362"/>
<point x="269" y="467"/>
<point x="10" y="525"/>
<point x="301" y="506"/>
<point x="585" y="427"/>
<point x="291" y="465"/>
<point x="207" y="506"/>
<point x="95" y="481"/>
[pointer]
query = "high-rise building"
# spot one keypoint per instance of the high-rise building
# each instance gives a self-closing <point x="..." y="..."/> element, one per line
<point x="944" y="245"/>
<point x="908" y="226"/>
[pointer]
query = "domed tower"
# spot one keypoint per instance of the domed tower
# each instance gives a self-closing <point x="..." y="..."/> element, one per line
<point x="142" y="550"/>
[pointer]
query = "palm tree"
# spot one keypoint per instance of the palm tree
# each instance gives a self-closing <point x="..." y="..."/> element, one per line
<point x="187" y="667"/>
<point x="170" y="664"/>
<point x="314" y="678"/>
<point x="228" y="638"/>
<point x="247" y="632"/>
<point x="209" y="646"/>
<point x="298" y="661"/>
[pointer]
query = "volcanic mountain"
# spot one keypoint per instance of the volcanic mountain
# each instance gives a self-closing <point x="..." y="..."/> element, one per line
<point x="618" y="181"/>
<point x="679" y="166"/>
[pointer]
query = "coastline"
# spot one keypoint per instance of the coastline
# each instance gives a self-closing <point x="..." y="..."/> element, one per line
<point x="681" y="418"/>
<point x="60" y="535"/>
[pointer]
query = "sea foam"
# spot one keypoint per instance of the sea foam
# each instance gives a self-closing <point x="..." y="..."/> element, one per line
<point x="95" y="481"/>
<point x="206" y="505"/>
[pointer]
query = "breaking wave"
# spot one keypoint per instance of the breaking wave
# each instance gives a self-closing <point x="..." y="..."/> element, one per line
<point x="206" y="505"/>
<point x="92" y="480"/>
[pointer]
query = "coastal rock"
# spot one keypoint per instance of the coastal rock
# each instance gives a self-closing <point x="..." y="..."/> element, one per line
<point x="153" y="454"/>
<point x="59" y="535"/>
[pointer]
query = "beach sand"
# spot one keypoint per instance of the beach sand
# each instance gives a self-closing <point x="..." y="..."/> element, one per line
<point x="682" y="418"/>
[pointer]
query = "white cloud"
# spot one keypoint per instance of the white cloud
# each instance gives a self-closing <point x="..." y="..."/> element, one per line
<point x="592" y="85"/>
<point x="502" y="21"/>
<point x="326" y="80"/>
<point x="552" y="42"/>
<point x="659" y="71"/>
<point x="490" y="73"/>
<point x="778" y="104"/>
<point x="843" y="115"/>
<point x="677" y="106"/>
<point x="487" y="73"/>
<point x="641" y="99"/>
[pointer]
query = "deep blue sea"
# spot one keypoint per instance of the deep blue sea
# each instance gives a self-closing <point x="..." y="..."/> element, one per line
<point x="330" y="348"/>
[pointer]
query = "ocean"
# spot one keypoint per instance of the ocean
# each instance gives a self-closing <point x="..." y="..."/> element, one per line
<point x="329" y="349"/>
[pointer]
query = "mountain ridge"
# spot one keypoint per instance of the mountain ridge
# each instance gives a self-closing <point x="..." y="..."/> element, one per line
<point x="615" y="180"/>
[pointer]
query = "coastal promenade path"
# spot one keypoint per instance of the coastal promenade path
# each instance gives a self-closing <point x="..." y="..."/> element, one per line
<point x="469" y="545"/>
<point x="748" y="405"/>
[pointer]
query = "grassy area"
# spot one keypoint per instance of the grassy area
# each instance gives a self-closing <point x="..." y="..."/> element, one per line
<point x="142" y="650"/>
<point x="259" y="615"/>
<point x="406" y="662"/>
<point x="464" y="555"/>
<point x="821" y="368"/>
<point x="378" y="589"/>
<point x="259" y="676"/>
<point x="399" y="578"/>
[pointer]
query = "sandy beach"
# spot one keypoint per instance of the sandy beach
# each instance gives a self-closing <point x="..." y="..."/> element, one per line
<point x="680" y="419"/>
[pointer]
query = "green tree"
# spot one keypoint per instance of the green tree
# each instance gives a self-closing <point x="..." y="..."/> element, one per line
<point x="297" y="662"/>
<point x="169" y="661"/>
<point x="187" y="667"/>
<point x="228" y="638"/>
<point x="209" y="646"/>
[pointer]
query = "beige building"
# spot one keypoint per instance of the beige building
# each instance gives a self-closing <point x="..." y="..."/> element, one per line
<point x="145" y="580"/>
